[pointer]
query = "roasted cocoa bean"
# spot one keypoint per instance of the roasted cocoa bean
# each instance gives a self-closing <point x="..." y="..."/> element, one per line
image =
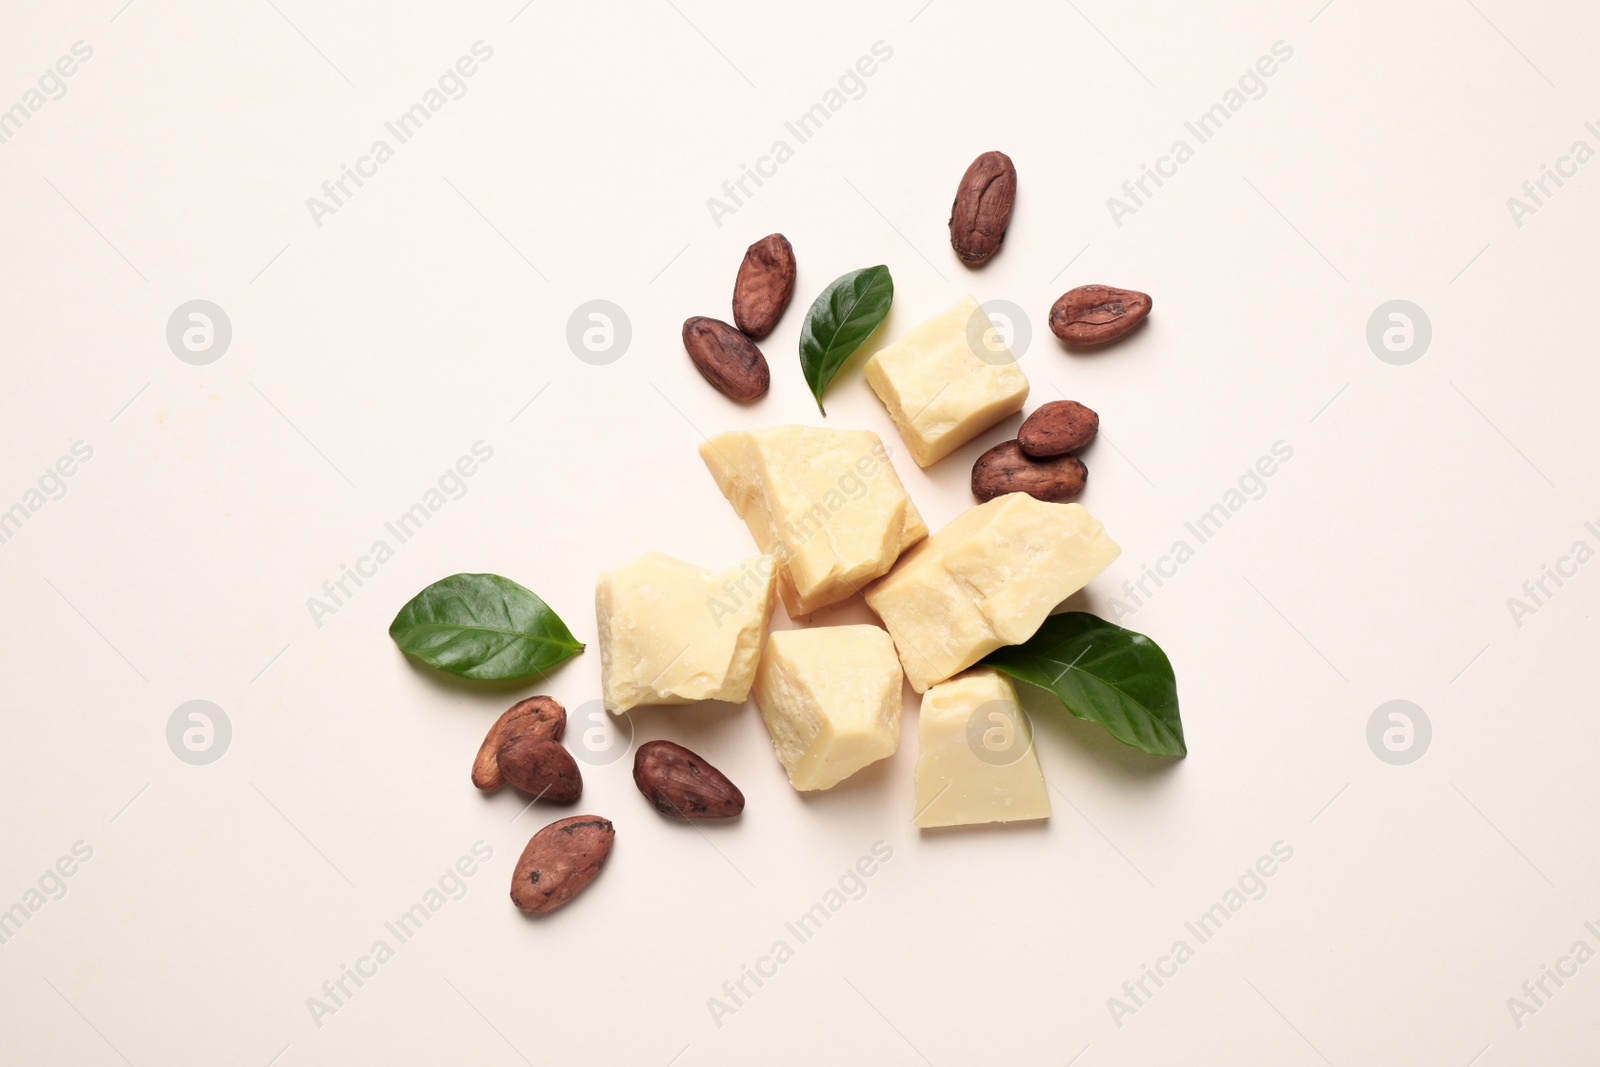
<point x="681" y="785"/>
<point x="539" y="717"/>
<point x="1057" y="428"/>
<point x="559" y="861"/>
<point x="1005" y="468"/>
<point x="727" y="359"/>
<point x="1095" y="314"/>
<point x="543" y="769"/>
<point x="764" y="285"/>
<point x="982" y="208"/>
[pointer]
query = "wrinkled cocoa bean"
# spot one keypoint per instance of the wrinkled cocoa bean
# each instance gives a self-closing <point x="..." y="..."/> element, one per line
<point x="764" y="285"/>
<point x="540" y="768"/>
<point x="539" y="717"/>
<point x="1057" y="428"/>
<point x="559" y="861"/>
<point x="681" y="785"/>
<point x="1095" y="314"/>
<point x="727" y="359"/>
<point x="982" y="209"/>
<point x="1005" y="468"/>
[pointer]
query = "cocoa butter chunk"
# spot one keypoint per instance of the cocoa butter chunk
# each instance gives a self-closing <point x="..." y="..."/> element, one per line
<point x="1057" y="428"/>
<point x="726" y="358"/>
<point x="989" y="578"/>
<point x="996" y="779"/>
<point x="672" y="633"/>
<point x="764" y="286"/>
<point x="946" y="381"/>
<point x="830" y="696"/>
<point x="982" y="209"/>
<point x="826" y="504"/>
<point x="681" y="785"/>
<point x="559" y="861"/>
<point x="1095" y="314"/>
<point x="1005" y="468"/>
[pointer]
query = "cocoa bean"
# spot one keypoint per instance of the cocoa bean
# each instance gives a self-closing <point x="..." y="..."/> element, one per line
<point x="1005" y="468"/>
<point x="764" y="285"/>
<point x="982" y="208"/>
<point x="559" y="861"/>
<point x="536" y="716"/>
<point x="1057" y="428"/>
<point x="541" y="768"/>
<point x="1095" y="314"/>
<point x="681" y="785"/>
<point x="727" y="359"/>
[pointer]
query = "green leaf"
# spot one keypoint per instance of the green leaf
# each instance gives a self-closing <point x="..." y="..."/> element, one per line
<point x="840" y="321"/>
<point x="1105" y="674"/>
<point x="483" y="626"/>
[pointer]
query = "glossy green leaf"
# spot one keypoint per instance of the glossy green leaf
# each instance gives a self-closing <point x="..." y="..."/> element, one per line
<point x="840" y="321"/>
<point x="483" y="626"/>
<point x="1105" y="674"/>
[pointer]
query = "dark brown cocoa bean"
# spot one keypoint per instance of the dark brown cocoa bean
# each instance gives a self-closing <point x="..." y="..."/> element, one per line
<point x="681" y="785"/>
<point x="541" y="768"/>
<point x="539" y="717"/>
<point x="1057" y="428"/>
<point x="727" y="359"/>
<point x="1005" y="468"/>
<point x="764" y="285"/>
<point x="1095" y="314"/>
<point x="982" y="209"/>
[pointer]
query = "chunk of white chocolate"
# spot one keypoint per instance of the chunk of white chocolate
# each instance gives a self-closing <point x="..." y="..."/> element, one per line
<point x="830" y="696"/>
<point x="975" y="757"/>
<point x="672" y="633"/>
<point x="826" y="504"/>
<point x="989" y="578"/>
<point x="947" y="381"/>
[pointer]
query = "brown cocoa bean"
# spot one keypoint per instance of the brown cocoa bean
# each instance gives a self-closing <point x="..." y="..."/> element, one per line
<point x="727" y="359"/>
<point x="764" y="285"/>
<point x="559" y="861"/>
<point x="681" y="785"/>
<point x="536" y="717"/>
<point x="1095" y="314"/>
<point x="1005" y="468"/>
<point x="541" y="768"/>
<point x="1057" y="428"/>
<point x="982" y="209"/>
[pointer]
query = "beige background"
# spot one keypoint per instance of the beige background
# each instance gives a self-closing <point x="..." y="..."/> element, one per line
<point x="426" y="313"/>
